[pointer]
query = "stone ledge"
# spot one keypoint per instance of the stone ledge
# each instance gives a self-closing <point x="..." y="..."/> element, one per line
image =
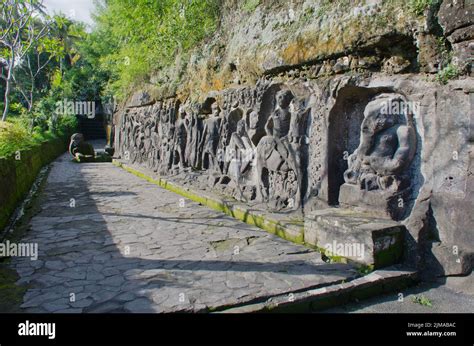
<point x="378" y="282"/>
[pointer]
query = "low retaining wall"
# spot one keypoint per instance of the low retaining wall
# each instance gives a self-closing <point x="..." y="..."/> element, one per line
<point x="19" y="171"/>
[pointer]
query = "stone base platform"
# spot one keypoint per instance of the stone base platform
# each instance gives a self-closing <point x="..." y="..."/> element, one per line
<point x="377" y="203"/>
<point x="357" y="236"/>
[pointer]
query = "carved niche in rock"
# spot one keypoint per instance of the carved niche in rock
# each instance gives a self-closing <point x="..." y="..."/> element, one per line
<point x="378" y="177"/>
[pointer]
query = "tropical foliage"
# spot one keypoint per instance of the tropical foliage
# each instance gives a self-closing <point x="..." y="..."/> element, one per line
<point x="134" y="39"/>
<point x="47" y="59"/>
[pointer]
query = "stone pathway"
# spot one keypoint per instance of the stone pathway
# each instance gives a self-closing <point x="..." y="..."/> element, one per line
<point x="111" y="242"/>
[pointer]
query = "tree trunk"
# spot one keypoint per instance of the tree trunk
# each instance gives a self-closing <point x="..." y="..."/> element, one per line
<point x="8" y="87"/>
<point x="7" y="98"/>
<point x="32" y="90"/>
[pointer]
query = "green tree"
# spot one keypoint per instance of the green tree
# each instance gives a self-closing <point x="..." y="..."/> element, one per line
<point x="18" y="32"/>
<point x="32" y="70"/>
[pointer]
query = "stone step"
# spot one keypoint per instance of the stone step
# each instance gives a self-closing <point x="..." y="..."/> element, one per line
<point x="358" y="236"/>
<point x="389" y="280"/>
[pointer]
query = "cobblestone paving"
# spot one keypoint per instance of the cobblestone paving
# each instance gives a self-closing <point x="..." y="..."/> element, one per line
<point x="130" y="246"/>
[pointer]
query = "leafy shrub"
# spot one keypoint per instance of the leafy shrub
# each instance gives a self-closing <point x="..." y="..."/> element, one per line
<point x="14" y="136"/>
<point x="447" y="73"/>
<point x="20" y="133"/>
<point x="67" y="125"/>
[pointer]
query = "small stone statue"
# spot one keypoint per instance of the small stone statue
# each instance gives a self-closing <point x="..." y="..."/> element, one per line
<point x="80" y="149"/>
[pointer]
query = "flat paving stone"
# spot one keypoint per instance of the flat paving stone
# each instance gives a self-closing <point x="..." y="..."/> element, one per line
<point x="130" y="246"/>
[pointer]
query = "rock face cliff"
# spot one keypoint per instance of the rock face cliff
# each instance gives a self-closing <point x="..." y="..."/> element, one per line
<point x="305" y="106"/>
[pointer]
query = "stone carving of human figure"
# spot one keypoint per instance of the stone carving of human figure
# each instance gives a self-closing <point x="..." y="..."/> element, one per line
<point x="297" y="144"/>
<point x="387" y="146"/>
<point x="239" y="154"/>
<point x="156" y="139"/>
<point x="138" y="142"/>
<point x="192" y="139"/>
<point x="228" y="127"/>
<point x="282" y="154"/>
<point x="156" y="144"/>
<point x="253" y="130"/>
<point x="148" y="142"/>
<point x="124" y="137"/>
<point x="240" y="147"/>
<point x="210" y="139"/>
<point x="298" y="127"/>
<point x="229" y="124"/>
<point x="128" y="139"/>
<point x="279" y="121"/>
<point x="130" y="142"/>
<point x="166" y="135"/>
<point x="181" y="137"/>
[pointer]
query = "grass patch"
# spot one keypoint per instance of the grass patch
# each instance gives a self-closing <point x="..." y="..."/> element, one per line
<point x="418" y="7"/>
<point x="365" y="270"/>
<point x="422" y="300"/>
<point x="250" y="5"/>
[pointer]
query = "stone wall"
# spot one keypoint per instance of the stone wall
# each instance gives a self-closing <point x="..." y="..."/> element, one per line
<point x="350" y="117"/>
<point x="18" y="172"/>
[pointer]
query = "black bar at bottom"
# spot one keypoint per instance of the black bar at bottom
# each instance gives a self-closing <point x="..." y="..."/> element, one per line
<point x="314" y="329"/>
